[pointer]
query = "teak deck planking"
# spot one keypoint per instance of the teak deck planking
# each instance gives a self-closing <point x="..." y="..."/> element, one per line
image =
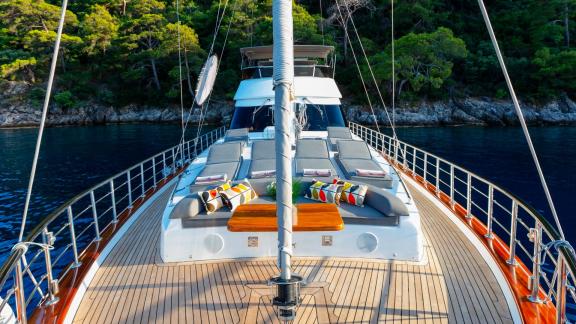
<point x="455" y="284"/>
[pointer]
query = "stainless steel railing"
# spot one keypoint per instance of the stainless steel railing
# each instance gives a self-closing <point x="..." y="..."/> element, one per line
<point x="32" y="272"/>
<point x="527" y="234"/>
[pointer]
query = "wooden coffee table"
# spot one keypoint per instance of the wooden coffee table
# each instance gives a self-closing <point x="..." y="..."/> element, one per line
<point x="313" y="217"/>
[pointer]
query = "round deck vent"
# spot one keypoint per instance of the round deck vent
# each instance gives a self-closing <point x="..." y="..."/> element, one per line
<point x="214" y="243"/>
<point x="367" y="242"/>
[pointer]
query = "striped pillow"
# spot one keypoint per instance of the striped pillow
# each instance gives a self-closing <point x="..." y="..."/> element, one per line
<point x="212" y="199"/>
<point x="324" y="192"/>
<point x="238" y="195"/>
<point x="352" y="194"/>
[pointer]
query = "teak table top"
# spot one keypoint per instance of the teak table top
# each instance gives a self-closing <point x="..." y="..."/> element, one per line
<point x="313" y="217"/>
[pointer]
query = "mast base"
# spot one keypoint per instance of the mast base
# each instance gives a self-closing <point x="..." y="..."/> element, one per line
<point x="287" y="296"/>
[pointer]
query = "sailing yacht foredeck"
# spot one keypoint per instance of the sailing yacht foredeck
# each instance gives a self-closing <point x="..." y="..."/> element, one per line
<point x="249" y="225"/>
<point x="386" y="227"/>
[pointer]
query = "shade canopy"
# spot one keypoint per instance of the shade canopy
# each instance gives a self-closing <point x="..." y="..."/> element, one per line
<point x="300" y="51"/>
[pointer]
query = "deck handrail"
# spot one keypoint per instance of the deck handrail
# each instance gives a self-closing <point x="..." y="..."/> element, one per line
<point x="35" y="284"/>
<point x="465" y="192"/>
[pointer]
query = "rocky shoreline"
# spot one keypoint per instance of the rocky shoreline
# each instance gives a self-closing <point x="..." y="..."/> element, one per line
<point x="469" y="111"/>
<point x="17" y="112"/>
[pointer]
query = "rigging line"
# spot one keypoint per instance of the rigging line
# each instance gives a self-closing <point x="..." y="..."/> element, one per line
<point x="520" y="115"/>
<point x="371" y="71"/>
<point x="43" y="119"/>
<point x="322" y="23"/>
<point x="252" y="25"/>
<point x="180" y="73"/>
<point x="204" y="106"/>
<point x="358" y="67"/>
<point x="201" y="123"/>
<point x="207" y="104"/>
<point x="216" y="27"/>
<point x="393" y="66"/>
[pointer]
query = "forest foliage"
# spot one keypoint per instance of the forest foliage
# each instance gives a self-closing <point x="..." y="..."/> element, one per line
<point x="120" y="52"/>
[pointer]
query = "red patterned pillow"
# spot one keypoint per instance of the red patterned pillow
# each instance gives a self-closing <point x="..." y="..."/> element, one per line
<point x="324" y="192"/>
<point x="352" y="194"/>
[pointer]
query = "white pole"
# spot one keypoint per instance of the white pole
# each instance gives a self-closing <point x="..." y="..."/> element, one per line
<point x="283" y="57"/>
<point x="43" y="119"/>
<point x="520" y="116"/>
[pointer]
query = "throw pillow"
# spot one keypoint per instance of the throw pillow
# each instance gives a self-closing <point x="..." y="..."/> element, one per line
<point x="324" y="192"/>
<point x="212" y="198"/>
<point x="352" y="194"/>
<point x="238" y="195"/>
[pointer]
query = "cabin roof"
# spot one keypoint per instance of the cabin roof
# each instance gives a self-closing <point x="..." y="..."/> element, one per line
<point x="300" y="51"/>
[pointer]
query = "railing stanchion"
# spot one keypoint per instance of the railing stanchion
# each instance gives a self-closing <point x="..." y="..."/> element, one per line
<point x="469" y="198"/>
<point x="452" y="186"/>
<point x="48" y="240"/>
<point x="489" y="222"/>
<point x="20" y="298"/>
<point x="536" y="236"/>
<point x="95" y="216"/>
<point x="142" y="176"/>
<point x="154" y="171"/>
<point x="405" y="158"/>
<point x="513" y="232"/>
<point x="173" y="168"/>
<point x="129" y="181"/>
<point x="77" y="262"/>
<point x="437" y="176"/>
<point x="113" y="198"/>
<point x="425" y="168"/>
<point x="561" y="286"/>
<point x="413" y="162"/>
<point x="163" y="165"/>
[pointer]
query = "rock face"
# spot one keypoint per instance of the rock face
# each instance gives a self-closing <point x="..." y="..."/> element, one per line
<point x="17" y="111"/>
<point x="473" y="111"/>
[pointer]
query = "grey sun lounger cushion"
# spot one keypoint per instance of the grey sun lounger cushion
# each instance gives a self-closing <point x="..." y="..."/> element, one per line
<point x="354" y="155"/>
<point x="264" y="149"/>
<point x="336" y="134"/>
<point x="228" y="168"/>
<point x="261" y="165"/>
<point x="225" y="152"/>
<point x="349" y="167"/>
<point x="351" y="149"/>
<point x="263" y="156"/>
<point x="302" y="164"/>
<point x="223" y="158"/>
<point x="312" y="149"/>
<point x="313" y="154"/>
<point x="236" y="135"/>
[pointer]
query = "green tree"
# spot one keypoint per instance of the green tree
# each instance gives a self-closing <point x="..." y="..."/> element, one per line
<point x="423" y="61"/>
<point x="99" y="29"/>
<point x="22" y="16"/>
<point x="143" y="34"/>
<point x="31" y="27"/>
<point x="556" y="71"/>
<point x="189" y="45"/>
